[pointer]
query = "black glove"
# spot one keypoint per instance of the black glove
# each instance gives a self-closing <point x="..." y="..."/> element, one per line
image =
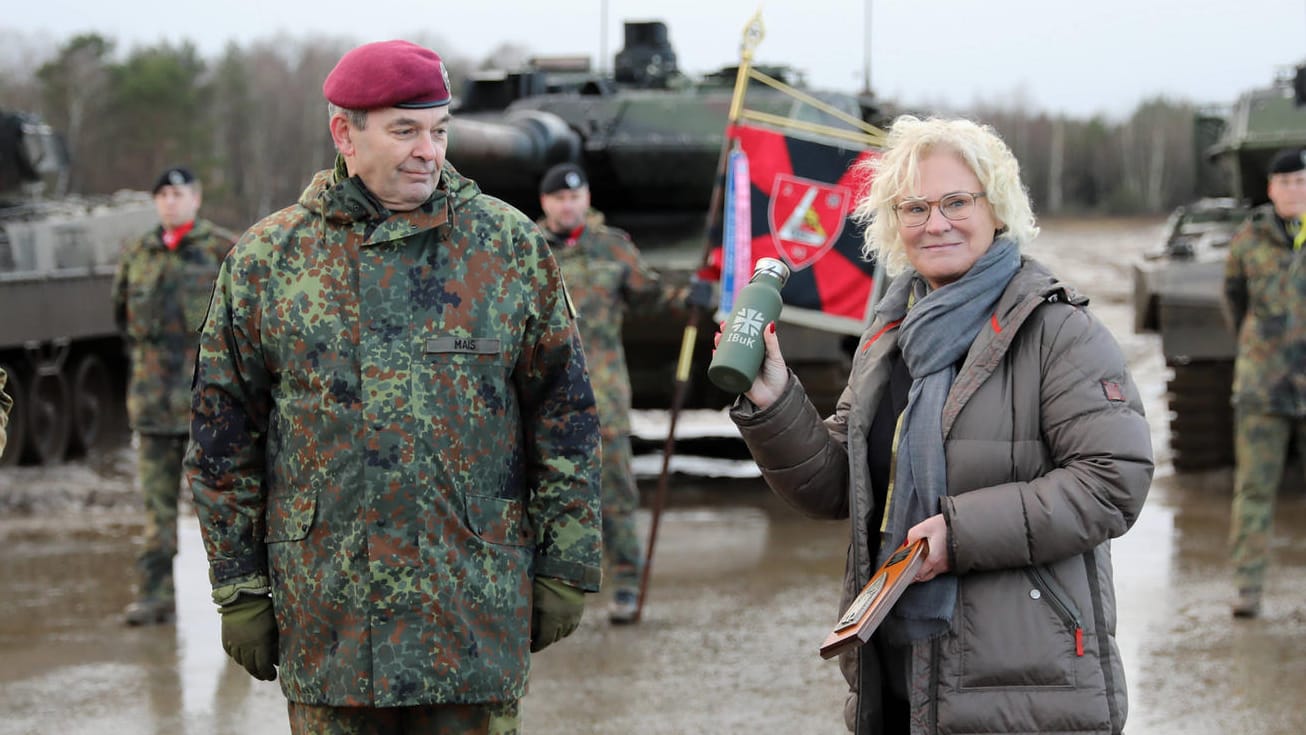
<point x="249" y="635"/>
<point x="700" y="293"/>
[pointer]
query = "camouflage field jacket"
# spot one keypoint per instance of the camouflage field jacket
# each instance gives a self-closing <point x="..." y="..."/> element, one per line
<point x="605" y="275"/>
<point x="159" y="300"/>
<point x="394" y="429"/>
<point x="1265" y="290"/>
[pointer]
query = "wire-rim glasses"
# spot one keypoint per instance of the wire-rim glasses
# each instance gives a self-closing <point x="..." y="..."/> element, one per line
<point x="954" y="207"/>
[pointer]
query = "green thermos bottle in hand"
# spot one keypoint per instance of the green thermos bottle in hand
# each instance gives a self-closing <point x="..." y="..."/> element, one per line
<point x="741" y="349"/>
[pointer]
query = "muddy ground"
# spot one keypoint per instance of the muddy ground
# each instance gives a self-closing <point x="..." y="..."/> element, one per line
<point x="743" y="593"/>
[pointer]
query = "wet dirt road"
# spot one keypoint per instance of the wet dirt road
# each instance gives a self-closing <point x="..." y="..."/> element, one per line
<point x="743" y="593"/>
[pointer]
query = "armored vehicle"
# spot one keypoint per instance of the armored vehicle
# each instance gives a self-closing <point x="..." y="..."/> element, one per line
<point x="58" y="342"/>
<point x="650" y="138"/>
<point x="1178" y="291"/>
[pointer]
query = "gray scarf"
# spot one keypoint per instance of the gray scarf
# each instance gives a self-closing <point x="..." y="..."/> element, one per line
<point x="936" y="332"/>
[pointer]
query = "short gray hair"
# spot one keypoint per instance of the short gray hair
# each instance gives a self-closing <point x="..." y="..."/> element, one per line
<point x="357" y="118"/>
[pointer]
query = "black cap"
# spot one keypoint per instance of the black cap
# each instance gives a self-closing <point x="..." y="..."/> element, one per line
<point x="563" y="176"/>
<point x="175" y="176"/>
<point x="1288" y="161"/>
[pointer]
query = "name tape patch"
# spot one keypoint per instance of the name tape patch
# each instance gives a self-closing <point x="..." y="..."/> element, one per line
<point x="463" y="345"/>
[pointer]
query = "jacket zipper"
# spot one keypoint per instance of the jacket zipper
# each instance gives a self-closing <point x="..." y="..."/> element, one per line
<point x="1061" y="603"/>
<point x="934" y="686"/>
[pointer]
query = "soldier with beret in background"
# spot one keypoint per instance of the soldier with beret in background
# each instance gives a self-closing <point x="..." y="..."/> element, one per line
<point x="1265" y="292"/>
<point x="395" y="449"/>
<point x="605" y="276"/>
<point x="160" y="295"/>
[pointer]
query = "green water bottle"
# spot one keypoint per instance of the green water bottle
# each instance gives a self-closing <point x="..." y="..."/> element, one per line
<point x="741" y="349"/>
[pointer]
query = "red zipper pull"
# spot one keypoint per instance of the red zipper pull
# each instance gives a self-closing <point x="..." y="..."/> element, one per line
<point x="1079" y="641"/>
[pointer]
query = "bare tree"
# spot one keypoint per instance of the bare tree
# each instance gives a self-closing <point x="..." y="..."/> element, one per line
<point x="74" y="89"/>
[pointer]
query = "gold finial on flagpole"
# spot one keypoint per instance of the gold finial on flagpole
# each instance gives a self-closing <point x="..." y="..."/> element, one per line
<point x="753" y="34"/>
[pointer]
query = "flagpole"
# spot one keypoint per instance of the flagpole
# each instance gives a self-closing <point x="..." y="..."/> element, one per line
<point x="753" y="33"/>
<point x="668" y="448"/>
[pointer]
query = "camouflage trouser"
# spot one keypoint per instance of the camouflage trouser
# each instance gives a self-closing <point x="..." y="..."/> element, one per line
<point x="621" y="546"/>
<point x="160" y="459"/>
<point x="1261" y="448"/>
<point x="436" y="719"/>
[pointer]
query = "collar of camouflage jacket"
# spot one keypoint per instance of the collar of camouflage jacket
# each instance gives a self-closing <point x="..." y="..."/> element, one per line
<point x="342" y="199"/>
<point x="198" y="230"/>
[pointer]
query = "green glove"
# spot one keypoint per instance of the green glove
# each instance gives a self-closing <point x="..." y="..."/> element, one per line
<point x="249" y="635"/>
<point x="555" y="613"/>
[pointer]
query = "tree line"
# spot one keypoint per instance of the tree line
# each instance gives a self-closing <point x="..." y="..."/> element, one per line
<point x="252" y="123"/>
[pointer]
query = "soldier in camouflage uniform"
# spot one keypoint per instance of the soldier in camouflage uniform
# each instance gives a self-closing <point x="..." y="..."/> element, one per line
<point x="6" y="403"/>
<point x="160" y="295"/>
<point x="1265" y="291"/>
<point x="395" y="450"/>
<point x="605" y="275"/>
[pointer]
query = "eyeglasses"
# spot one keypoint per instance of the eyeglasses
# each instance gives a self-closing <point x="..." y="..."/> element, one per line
<point x="954" y="207"/>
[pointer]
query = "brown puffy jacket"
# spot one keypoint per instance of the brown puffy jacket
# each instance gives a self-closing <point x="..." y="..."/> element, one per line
<point x="1049" y="456"/>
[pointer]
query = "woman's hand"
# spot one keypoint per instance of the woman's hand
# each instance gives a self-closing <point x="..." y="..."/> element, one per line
<point x="773" y="376"/>
<point x="934" y="530"/>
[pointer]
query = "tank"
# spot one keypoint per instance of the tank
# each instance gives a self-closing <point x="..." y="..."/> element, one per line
<point x="650" y="139"/>
<point x="58" y="342"/>
<point x="1178" y="290"/>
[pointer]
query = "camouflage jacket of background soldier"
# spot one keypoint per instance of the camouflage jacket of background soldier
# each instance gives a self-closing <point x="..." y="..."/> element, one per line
<point x="6" y="403"/>
<point x="159" y="300"/>
<point x="605" y="275"/>
<point x="1265" y="291"/>
<point x="394" y="430"/>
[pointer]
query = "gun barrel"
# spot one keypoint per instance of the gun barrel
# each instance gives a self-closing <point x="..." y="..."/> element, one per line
<point x="507" y="159"/>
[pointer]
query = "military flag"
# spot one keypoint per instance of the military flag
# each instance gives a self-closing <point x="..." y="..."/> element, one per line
<point x="802" y="186"/>
<point x="802" y="191"/>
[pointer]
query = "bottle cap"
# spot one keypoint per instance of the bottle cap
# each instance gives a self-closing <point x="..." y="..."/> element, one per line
<point x="772" y="267"/>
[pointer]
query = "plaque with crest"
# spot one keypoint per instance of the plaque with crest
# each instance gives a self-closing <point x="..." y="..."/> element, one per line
<point x="868" y="608"/>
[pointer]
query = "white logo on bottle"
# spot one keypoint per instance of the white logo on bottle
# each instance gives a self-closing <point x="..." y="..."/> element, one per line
<point x="748" y="322"/>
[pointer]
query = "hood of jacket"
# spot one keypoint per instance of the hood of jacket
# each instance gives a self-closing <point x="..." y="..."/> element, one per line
<point x="341" y="199"/>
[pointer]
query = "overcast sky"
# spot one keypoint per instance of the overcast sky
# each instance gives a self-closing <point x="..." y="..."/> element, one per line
<point x="1079" y="58"/>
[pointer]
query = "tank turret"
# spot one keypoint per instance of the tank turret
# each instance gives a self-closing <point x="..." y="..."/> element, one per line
<point x="31" y="154"/>
<point x="1262" y="122"/>
<point x="1179" y="289"/>
<point x="650" y="139"/>
<point x="647" y="60"/>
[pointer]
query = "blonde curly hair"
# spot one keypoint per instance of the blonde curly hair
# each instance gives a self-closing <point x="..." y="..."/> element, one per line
<point x="895" y="171"/>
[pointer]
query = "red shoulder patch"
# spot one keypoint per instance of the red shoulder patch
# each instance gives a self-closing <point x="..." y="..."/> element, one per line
<point x="1113" y="391"/>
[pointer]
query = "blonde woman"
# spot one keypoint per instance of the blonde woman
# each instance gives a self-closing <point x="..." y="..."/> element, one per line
<point x="991" y="413"/>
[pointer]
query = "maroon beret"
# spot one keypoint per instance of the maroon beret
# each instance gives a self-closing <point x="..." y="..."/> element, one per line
<point x="388" y="74"/>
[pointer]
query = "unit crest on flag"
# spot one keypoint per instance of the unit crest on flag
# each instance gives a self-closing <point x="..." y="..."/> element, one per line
<point x="806" y="218"/>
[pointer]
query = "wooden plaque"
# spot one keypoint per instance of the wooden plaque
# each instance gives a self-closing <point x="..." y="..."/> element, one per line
<point x="868" y="609"/>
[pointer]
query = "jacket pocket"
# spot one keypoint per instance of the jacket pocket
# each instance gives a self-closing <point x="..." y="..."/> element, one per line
<point x="290" y="517"/>
<point x="199" y="280"/>
<point x="1046" y="587"/>
<point x="143" y="313"/>
<point x="1010" y="633"/>
<point x="497" y="520"/>
<point x="462" y="396"/>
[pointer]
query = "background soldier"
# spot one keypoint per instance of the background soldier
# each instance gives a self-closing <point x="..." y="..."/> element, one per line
<point x="395" y="446"/>
<point x="605" y="275"/>
<point x="1265" y="291"/>
<point x="160" y="297"/>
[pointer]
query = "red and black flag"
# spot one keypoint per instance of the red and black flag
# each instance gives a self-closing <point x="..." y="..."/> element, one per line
<point x="802" y="193"/>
